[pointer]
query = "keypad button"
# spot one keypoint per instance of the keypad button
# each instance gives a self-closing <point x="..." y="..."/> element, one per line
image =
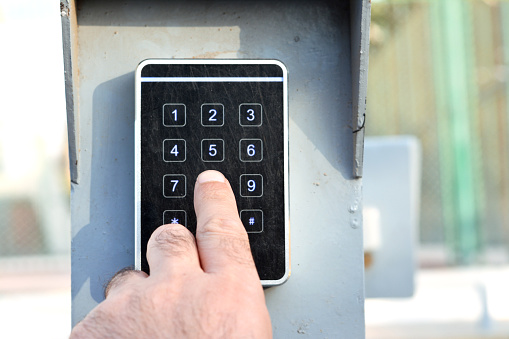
<point x="212" y="115"/>
<point x="251" y="185"/>
<point x="174" y="186"/>
<point x="251" y="150"/>
<point x="174" y="150"/>
<point x="250" y="115"/>
<point x="174" y="115"/>
<point x="175" y="217"/>
<point x="212" y="150"/>
<point x="252" y="220"/>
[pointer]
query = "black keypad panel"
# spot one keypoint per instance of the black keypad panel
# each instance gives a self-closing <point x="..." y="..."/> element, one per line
<point x="229" y="117"/>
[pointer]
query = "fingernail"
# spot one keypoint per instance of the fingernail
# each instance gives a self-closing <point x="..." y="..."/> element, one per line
<point x="209" y="176"/>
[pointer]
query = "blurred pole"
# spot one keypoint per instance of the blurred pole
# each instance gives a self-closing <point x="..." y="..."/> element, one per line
<point x="456" y="95"/>
<point x="504" y="20"/>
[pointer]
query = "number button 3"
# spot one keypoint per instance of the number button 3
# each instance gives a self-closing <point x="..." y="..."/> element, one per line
<point x="174" y="186"/>
<point x="251" y="150"/>
<point x="251" y="185"/>
<point x="212" y="150"/>
<point x="250" y="115"/>
<point x="174" y="150"/>
<point x="212" y="115"/>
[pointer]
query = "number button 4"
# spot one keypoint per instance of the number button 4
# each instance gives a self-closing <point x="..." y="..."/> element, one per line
<point x="212" y="150"/>
<point x="251" y="150"/>
<point x="174" y="115"/>
<point x="251" y="185"/>
<point x="174" y="186"/>
<point x="250" y="115"/>
<point x="174" y="150"/>
<point x="212" y="115"/>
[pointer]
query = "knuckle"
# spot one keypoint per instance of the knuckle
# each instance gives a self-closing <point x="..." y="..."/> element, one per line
<point x="173" y="239"/>
<point x="118" y="279"/>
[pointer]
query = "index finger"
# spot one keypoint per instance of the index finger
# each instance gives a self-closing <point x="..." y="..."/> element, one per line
<point x="221" y="238"/>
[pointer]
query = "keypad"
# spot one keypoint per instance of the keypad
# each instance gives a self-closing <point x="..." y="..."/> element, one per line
<point x="229" y="117"/>
<point x="213" y="150"/>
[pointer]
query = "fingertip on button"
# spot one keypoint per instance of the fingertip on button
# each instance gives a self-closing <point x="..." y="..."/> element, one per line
<point x="210" y="176"/>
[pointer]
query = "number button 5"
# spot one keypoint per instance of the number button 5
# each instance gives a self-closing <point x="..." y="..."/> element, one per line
<point x="251" y="150"/>
<point x="212" y="115"/>
<point x="174" y="186"/>
<point x="250" y="115"/>
<point x="174" y="150"/>
<point x="212" y="150"/>
<point x="251" y="185"/>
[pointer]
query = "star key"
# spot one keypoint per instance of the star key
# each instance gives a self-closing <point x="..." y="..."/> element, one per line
<point x="175" y="217"/>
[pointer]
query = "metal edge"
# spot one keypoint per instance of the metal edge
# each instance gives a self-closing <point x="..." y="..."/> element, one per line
<point x="360" y="13"/>
<point x="69" y="45"/>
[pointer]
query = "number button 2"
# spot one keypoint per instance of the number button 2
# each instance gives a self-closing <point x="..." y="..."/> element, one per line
<point x="174" y="115"/>
<point x="174" y="186"/>
<point x="251" y="185"/>
<point x="212" y="115"/>
<point x="212" y="150"/>
<point x="250" y="115"/>
<point x="174" y="150"/>
<point x="251" y="150"/>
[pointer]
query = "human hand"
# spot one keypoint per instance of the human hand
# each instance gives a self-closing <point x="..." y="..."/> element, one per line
<point x="203" y="288"/>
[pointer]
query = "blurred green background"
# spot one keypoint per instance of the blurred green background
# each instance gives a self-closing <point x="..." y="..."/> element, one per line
<point x="439" y="70"/>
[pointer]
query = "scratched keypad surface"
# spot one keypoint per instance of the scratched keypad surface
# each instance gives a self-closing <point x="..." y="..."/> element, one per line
<point x="227" y="117"/>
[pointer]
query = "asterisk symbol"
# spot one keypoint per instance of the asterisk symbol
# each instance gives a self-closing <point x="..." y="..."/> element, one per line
<point x="174" y="221"/>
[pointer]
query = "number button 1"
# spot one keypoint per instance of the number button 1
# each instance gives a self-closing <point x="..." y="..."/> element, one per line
<point x="251" y="150"/>
<point x="174" y="150"/>
<point x="174" y="115"/>
<point x="250" y="115"/>
<point x="251" y="185"/>
<point x="212" y="115"/>
<point x="174" y="186"/>
<point x="212" y="150"/>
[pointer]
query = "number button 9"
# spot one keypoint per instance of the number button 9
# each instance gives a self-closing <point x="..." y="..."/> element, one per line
<point x="251" y="185"/>
<point x="250" y="115"/>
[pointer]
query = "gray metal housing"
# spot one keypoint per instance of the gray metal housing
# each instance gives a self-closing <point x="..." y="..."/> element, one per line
<point x="324" y="44"/>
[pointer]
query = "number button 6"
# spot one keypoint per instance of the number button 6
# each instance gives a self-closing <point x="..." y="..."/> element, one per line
<point x="251" y="150"/>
